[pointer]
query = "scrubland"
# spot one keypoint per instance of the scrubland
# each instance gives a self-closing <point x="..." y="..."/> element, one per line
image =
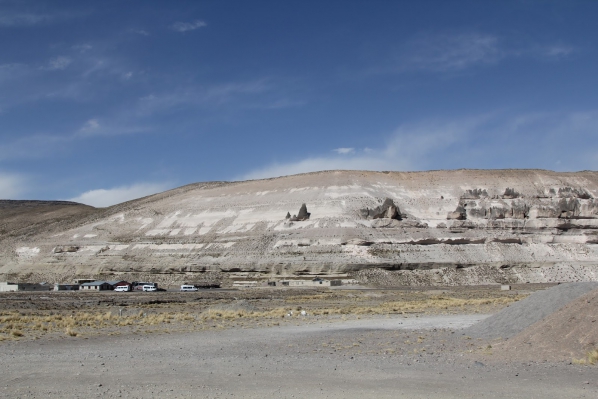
<point x="59" y="315"/>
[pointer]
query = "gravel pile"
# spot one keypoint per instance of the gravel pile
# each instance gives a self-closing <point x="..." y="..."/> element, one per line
<point x="567" y="334"/>
<point x="520" y="315"/>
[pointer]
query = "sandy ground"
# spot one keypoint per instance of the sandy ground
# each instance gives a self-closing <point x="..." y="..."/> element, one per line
<point x="396" y="356"/>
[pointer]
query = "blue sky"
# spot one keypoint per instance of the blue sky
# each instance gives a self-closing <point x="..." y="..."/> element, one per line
<point x="101" y="102"/>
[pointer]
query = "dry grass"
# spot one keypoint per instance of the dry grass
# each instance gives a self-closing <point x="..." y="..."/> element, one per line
<point x="591" y="358"/>
<point x="432" y="304"/>
<point x="70" y="332"/>
<point x="251" y="311"/>
<point x="423" y="305"/>
<point x="16" y="325"/>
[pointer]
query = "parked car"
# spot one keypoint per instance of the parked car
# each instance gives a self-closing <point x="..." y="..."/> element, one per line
<point x="138" y="285"/>
<point x="150" y="288"/>
<point x="186" y="287"/>
<point x="122" y="288"/>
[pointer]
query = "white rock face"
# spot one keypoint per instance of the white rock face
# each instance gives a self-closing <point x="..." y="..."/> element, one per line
<point x="450" y="227"/>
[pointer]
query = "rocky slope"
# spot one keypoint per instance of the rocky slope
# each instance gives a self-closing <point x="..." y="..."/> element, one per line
<point x="417" y="228"/>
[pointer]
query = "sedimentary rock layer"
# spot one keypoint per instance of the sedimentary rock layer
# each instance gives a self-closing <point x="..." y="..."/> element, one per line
<point x="438" y="227"/>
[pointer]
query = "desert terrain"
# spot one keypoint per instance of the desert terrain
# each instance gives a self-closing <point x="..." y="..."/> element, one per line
<point x="273" y="343"/>
<point x="421" y="313"/>
<point x="442" y="228"/>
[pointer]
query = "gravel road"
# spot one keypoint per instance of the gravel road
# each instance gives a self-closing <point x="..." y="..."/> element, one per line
<point x="414" y="357"/>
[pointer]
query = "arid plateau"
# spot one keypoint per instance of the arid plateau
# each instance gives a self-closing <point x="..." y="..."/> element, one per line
<point x="422" y="313"/>
<point x="384" y="228"/>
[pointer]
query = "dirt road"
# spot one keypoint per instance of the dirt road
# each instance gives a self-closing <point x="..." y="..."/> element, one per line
<point x="396" y="356"/>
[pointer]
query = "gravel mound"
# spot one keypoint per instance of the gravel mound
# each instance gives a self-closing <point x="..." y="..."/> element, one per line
<point x="569" y="333"/>
<point x="520" y="315"/>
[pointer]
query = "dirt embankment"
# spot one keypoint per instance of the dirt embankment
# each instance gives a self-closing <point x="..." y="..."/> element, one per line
<point x="569" y="333"/>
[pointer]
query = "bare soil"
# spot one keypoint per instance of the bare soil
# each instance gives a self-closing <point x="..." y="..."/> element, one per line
<point x="569" y="333"/>
<point x="351" y="343"/>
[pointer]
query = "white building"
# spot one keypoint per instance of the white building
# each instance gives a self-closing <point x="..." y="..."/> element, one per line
<point x="316" y="282"/>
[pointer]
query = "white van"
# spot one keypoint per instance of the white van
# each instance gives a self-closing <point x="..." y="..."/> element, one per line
<point x="188" y="288"/>
<point x="122" y="288"/>
<point x="150" y="288"/>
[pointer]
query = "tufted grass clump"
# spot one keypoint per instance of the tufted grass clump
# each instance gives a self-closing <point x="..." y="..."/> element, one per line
<point x="591" y="358"/>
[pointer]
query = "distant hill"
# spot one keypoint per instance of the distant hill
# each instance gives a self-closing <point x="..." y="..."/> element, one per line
<point x="385" y="228"/>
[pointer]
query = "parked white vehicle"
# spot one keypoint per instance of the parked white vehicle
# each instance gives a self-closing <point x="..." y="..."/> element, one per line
<point x="150" y="288"/>
<point x="188" y="288"/>
<point x="122" y="288"/>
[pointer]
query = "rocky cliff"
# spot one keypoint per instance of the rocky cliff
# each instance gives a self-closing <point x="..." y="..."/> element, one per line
<point x="437" y="227"/>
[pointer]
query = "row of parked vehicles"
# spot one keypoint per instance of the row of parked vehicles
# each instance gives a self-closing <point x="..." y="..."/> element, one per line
<point x="137" y="286"/>
<point x="151" y="287"/>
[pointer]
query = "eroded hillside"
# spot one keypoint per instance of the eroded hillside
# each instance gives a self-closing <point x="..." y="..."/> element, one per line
<point x="419" y="228"/>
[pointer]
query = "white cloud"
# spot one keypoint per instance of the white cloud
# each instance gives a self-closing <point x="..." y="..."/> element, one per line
<point x="90" y="126"/>
<point x="58" y="63"/>
<point x="187" y="26"/>
<point x="11" y="185"/>
<point x="106" y="197"/>
<point x="344" y="150"/>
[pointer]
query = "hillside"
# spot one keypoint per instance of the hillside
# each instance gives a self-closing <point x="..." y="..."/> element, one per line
<point x="417" y="228"/>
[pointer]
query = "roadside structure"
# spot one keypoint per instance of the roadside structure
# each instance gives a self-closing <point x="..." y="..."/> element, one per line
<point x="316" y="282"/>
<point x="83" y="280"/>
<point x="96" y="286"/>
<point x="245" y="284"/>
<point x="66" y="287"/>
<point x="13" y="287"/>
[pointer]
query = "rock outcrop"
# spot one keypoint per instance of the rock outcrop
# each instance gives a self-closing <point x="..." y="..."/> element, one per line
<point x="388" y="210"/>
<point x="439" y="227"/>
<point x="302" y="215"/>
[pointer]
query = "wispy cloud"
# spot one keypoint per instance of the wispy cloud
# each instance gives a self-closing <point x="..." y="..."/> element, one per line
<point x="20" y="14"/>
<point x="82" y="48"/>
<point x="188" y="26"/>
<point x="450" y="52"/>
<point x="558" y="51"/>
<point x="141" y="32"/>
<point x="11" y="185"/>
<point x="42" y="145"/>
<point x="454" y="52"/>
<point x="32" y="146"/>
<point x="315" y="164"/>
<point x="93" y="127"/>
<point x="116" y="195"/>
<point x="344" y="150"/>
<point x="12" y="71"/>
<point x="408" y="148"/>
<point x="489" y="141"/>
<point x="90" y="126"/>
<point x="58" y="63"/>
<point x="9" y="20"/>
<point x="202" y="96"/>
